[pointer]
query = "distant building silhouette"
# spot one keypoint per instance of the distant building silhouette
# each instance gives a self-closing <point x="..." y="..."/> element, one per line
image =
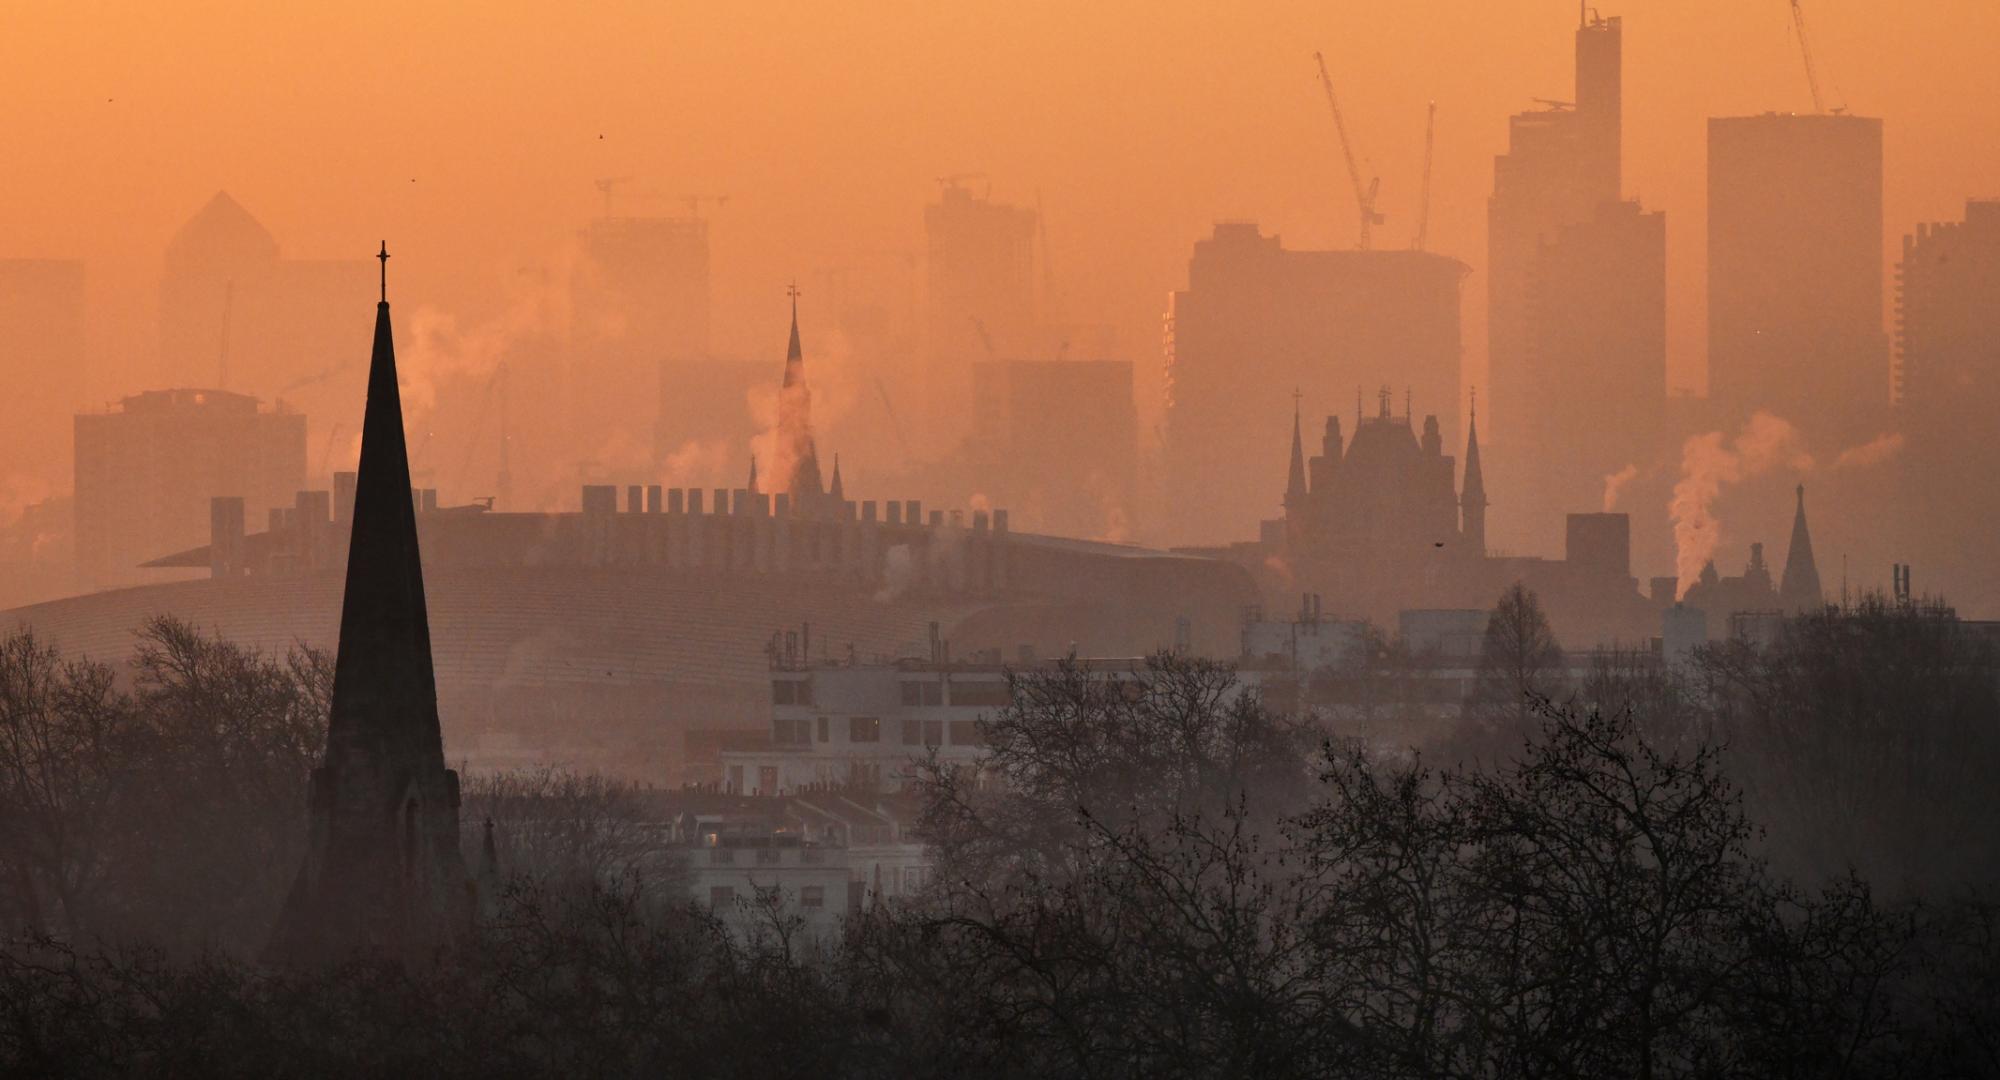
<point x="639" y="308"/>
<point x="796" y="448"/>
<point x="41" y="350"/>
<point x="1258" y="322"/>
<point x="237" y="315"/>
<point x="1056" y="441"/>
<point x="1799" y="589"/>
<point x="980" y="299"/>
<point x="1596" y="379"/>
<point x="1948" y="320"/>
<point x="147" y="469"/>
<point x="1562" y="162"/>
<point x="1576" y="300"/>
<point x="1795" y="272"/>
<point x="383" y="873"/>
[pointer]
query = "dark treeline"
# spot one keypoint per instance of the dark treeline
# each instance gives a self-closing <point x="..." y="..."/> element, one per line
<point x="1777" y="862"/>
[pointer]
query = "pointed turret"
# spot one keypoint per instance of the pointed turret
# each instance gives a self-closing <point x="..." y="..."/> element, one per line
<point x="1799" y="590"/>
<point x="834" y="489"/>
<point x="1295" y="481"/>
<point x="1472" y="496"/>
<point x="795" y="423"/>
<point x="383" y="873"/>
<point x="752" y="486"/>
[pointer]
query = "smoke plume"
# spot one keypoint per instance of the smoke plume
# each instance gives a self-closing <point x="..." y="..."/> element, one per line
<point x="1615" y="483"/>
<point x="1711" y="462"/>
<point x="1874" y="452"/>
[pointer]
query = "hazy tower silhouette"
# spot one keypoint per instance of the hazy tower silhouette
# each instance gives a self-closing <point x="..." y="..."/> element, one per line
<point x="382" y="872"/>
<point x="1799" y="590"/>
<point x="1795" y="271"/>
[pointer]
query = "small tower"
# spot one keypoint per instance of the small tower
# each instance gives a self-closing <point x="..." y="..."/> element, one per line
<point x="834" y="489"/>
<point x="383" y="874"/>
<point x="795" y="424"/>
<point x="1472" y="496"/>
<point x="1799" y="590"/>
<point x="1295" y="479"/>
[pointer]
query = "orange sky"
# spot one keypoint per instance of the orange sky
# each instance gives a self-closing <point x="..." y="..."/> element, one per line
<point x="468" y="135"/>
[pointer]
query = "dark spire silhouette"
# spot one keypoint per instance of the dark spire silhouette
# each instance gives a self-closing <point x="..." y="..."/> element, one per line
<point x="795" y="420"/>
<point x="1799" y="590"/>
<point x="1295" y="481"/>
<point x="834" y="489"/>
<point x="383" y="872"/>
<point x="1472" y="495"/>
<point x="752" y="487"/>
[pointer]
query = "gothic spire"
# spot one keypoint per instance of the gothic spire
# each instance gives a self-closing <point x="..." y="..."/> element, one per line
<point x="795" y="420"/>
<point x="384" y="688"/>
<point x="1295" y="483"/>
<point x="1472" y="495"/>
<point x="752" y="489"/>
<point x="834" y="489"/>
<point x="1799" y="590"/>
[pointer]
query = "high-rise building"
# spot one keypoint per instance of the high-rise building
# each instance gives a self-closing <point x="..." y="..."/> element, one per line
<point x="1056" y="442"/>
<point x="41" y="350"/>
<point x="980" y="300"/>
<point x="146" y="470"/>
<point x="1596" y="381"/>
<point x="639" y="308"/>
<point x="1562" y="163"/>
<point x="1795" y="272"/>
<point x="238" y="316"/>
<point x="1948" y="391"/>
<point x="1258" y="323"/>
<point x="1948" y="320"/>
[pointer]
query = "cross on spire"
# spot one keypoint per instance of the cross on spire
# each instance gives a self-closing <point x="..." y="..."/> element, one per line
<point x="384" y="256"/>
<point x="792" y="291"/>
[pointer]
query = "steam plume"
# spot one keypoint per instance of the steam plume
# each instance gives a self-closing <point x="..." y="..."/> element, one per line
<point x="1711" y="462"/>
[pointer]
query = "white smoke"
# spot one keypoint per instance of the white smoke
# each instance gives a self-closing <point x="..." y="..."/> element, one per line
<point x="1615" y="483"/>
<point x="899" y="573"/>
<point x="1711" y="462"/>
<point x="1876" y="451"/>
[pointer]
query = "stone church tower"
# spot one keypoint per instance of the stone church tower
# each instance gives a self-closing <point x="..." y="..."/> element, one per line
<point x="383" y="874"/>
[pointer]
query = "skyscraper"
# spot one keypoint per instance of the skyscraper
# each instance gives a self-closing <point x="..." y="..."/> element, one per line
<point x="980" y="299"/>
<point x="1948" y="321"/>
<point x="1596" y="379"/>
<point x="383" y="874"/>
<point x="1795" y="272"/>
<point x="639" y="308"/>
<point x="1258" y="323"/>
<point x="41" y="350"/>
<point x="1562" y="162"/>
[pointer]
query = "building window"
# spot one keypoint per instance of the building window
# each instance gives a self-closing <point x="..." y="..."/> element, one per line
<point x="933" y="733"/>
<point x="913" y="731"/>
<point x="736" y="779"/>
<point x="767" y="779"/>
<point x="933" y="693"/>
<point x="822" y="729"/>
<point x="767" y="856"/>
<point x="966" y="733"/>
<point x="812" y="896"/>
<point x="721" y="856"/>
<point x="981" y="692"/>
<point x="913" y="693"/>
<point x="864" y="729"/>
<point x="721" y="896"/>
<point x="791" y="730"/>
<point x="913" y="879"/>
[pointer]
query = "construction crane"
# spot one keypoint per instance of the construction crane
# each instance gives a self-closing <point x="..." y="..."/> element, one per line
<point x="1805" y="50"/>
<point x="1424" y="202"/>
<point x="1364" y="195"/>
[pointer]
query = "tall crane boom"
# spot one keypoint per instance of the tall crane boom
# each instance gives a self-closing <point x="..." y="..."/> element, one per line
<point x="1424" y="203"/>
<point x="1364" y="195"/>
<point x="1805" y="50"/>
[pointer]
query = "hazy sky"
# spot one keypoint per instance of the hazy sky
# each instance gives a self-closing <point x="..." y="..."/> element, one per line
<point x="469" y="135"/>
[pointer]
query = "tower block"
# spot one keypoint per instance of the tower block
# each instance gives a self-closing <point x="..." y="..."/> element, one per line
<point x="383" y="874"/>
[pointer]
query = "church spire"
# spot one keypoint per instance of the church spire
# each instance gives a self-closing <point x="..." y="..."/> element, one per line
<point x="1800" y="590"/>
<point x="1295" y="482"/>
<point x="1472" y="496"/>
<point x="834" y="490"/>
<point x="795" y="422"/>
<point x="382" y="872"/>
<point x="752" y="488"/>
